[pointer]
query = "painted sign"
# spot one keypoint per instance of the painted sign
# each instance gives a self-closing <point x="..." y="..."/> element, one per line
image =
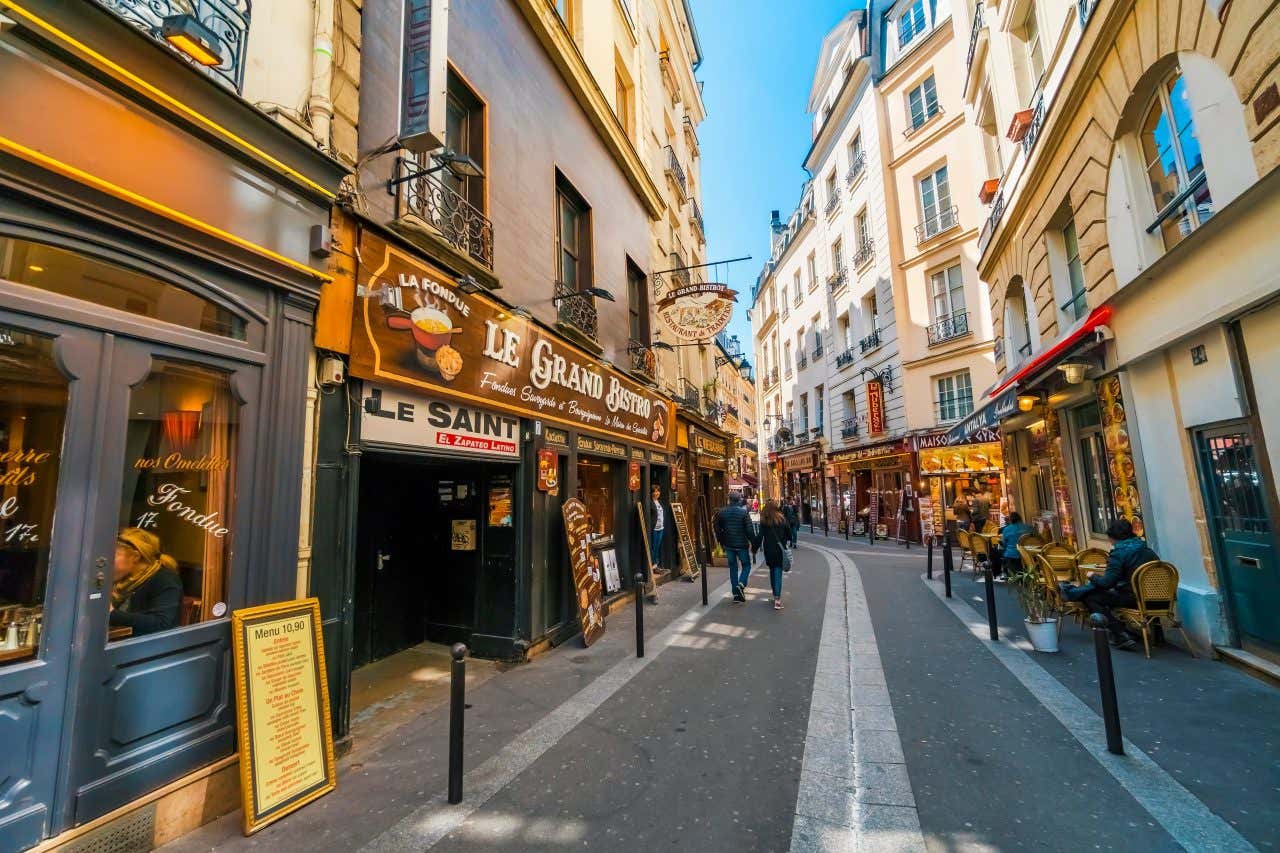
<point x="412" y="326"/>
<point x="282" y="710"/>
<point x="392" y="416"/>
<point x="980" y="435"/>
<point x="800" y="461"/>
<point x="586" y="569"/>
<point x="708" y="445"/>
<point x="548" y="470"/>
<point x="587" y="444"/>
<point x="875" y="407"/>
<point x="688" y="556"/>
<point x="693" y="312"/>
<point x="857" y="454"/>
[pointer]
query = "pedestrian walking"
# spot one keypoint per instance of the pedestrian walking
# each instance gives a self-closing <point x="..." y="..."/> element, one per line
<point x="775" y="532"/>
<point x="791" y="514"/>
<point x="658" y="514"/>
<point x="734" y="533"/>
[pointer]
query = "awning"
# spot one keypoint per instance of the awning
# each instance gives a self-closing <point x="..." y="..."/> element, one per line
<point x="987" y="417"/>
<point x="1100" y="317"/>
<point x="750" y="480"/>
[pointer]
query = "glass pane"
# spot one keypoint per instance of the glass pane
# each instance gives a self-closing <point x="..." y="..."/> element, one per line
<point x="177" y="502"/>
<point x="916" y="99"/>
<point x="1157" y="151"/>
<point x="1094" y="463"/>
<point x="568" y="225"/>
<point x="956" y="286"/>
<point x="928" y="199"/>
<point x="1185" y="123"/>
<point x="569" y="270"/>
<point x="596" y="481"/>
<point x="70" y="274"/>
<point x="943" y="188"/>
<point x="931" y="96"/>
<point x="33" y="412"/>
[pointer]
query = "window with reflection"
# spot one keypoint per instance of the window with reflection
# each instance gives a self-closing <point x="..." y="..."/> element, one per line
<point x="1174" y="166"/>
<point x="33" y="413"/>
<point x="597" y="480"/>
<point x="177" y="506"/>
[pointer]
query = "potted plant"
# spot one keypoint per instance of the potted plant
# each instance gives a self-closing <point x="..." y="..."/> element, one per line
<point x="1039" y="610"/>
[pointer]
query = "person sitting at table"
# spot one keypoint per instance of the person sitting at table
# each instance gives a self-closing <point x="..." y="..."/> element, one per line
<point x="1111" y="588"/>
<point x="1009" y="536"/>
<point x="147" y="593"/>
<point x="960" y="509"/>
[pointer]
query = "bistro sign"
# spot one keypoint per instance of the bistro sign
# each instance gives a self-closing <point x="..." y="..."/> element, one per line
<point x="414" y="327"/>
<point x="391" y="416"/>
<point x="857" y="454"/>
<point x="800" y="461"/>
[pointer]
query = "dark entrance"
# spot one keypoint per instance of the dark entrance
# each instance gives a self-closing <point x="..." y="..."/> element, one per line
<point x="1240" y="521"/>
<point x="432" y="536"/>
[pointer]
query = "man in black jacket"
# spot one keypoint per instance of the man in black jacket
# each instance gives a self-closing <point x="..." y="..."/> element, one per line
<point x="1111" y="588"/>
<point x="792" y="514"/>
<point x="734" y="532"/>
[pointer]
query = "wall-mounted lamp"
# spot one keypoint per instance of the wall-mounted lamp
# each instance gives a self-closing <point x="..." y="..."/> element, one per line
<point x="468" y="285"/>
<point x="1027" y="402"/>
<point x="1075" y="370"/>
<point x="190" y="37"/>
<point x="582" y="294"/>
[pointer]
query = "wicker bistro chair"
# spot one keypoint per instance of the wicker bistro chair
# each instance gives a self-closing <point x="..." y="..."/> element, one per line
<point x="979" y="551"/>
<point x="1031" y="539"/>
<point x="1062" y="559"/>
<point x="965" y="541"/>
<point x="1155" y="586"/>
<point x="1049" y="580"/>
<point x="1087" y="559"/>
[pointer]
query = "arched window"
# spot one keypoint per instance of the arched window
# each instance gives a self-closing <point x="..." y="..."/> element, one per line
<point x="1019" y="339"/>
<point x="1174" y="165"/>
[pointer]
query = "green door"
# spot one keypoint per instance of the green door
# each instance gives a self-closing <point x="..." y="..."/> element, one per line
<point x="1240" y="521"/>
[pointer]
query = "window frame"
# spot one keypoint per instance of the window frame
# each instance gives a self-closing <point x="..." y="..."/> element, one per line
<point x="931" y="180"/>
<point x="1184" y="200"/>
<point x="955" y="398"/>
<point x="930" y="106"/>
<point x="638" y="325"/>
<point x="949" y="292"/>
<point x="583" y="250"/>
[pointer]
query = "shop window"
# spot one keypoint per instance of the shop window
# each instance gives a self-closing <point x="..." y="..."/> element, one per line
<point x="70" y="274"/>
<point x="177" y="500"/>
<point x="597" y="479"/>
<point x="33" y="412"/>
<point x="1093" y="468"/>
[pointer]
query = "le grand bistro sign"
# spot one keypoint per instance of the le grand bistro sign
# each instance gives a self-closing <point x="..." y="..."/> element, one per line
<point x="414" y="327"/>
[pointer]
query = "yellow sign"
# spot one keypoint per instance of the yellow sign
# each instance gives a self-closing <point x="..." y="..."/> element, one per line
<point x="282" y="710"/>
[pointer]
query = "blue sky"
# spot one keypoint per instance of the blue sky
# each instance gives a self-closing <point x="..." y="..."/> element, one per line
<point x="758" y="63"/>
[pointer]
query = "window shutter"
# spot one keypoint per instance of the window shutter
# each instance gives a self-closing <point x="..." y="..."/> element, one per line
<point x="423" y="77"/>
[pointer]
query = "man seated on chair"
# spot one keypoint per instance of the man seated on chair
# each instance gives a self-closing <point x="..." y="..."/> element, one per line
<point x="1015" y="529"/>
<point x="1111" y="588"/>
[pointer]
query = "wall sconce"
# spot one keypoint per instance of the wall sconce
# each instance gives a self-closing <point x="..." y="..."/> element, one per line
<point x="191" y="38"/>
<point x="1075" y="370"/>
<point x="1027" y="402"/>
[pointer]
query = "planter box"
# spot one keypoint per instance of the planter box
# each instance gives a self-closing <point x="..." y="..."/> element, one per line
<point x="1020" y="125"/>
<point x="988" y="190"/>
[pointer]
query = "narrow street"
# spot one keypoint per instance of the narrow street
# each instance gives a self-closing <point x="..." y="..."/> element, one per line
<point x="734" y="733"/>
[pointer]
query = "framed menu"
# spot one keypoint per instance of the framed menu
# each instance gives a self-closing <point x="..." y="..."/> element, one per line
<point x="586" y="569"/>
<point x="282" y="710"/>
<point x="688" y="556"/>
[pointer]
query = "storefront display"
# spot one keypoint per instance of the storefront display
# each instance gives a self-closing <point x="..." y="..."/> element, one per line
<point x="882" y="471"/>
<point x="949" y="473"/>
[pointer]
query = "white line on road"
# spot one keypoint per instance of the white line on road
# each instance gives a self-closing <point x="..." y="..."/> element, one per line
<point x="1188" y="820"/>
<point x="435" y="819"/>
<point x="855" y="793"/>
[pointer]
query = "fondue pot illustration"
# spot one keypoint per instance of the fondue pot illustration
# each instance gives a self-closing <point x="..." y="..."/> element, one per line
<point x="432" y="331"/>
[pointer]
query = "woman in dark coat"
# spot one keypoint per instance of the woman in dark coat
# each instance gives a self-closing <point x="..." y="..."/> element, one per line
<point x="147" y="593"/>
<point x="773" y="537"/>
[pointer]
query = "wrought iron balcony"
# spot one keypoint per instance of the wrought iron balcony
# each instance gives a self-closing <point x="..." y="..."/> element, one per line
<point x="919" y="121"/>
<point x="979" y="24"/>
<point x="675" y="172"/>
<point x="815" y="432"/>
<point x="788" y="374"/>
<point x="1085" y="9"/>
<point x="643" y="360"/>
<point x="865" y="253"/>
<point x="855" y="168"/>
<point x="817" y="352"/>
<point x="1037" y="121"/>
<point x="227" y="20"/>
<point x="771" y="378"/>
<point x="849" y="428"/>
<point x="731" y="410"/>
<point x="686" y="394"/>
<point x="802" y="361"/>
<point x="833" y="202"/>
<point x="838" y="279"/>
<point x="457" y="220"/>
<point x="679" y="276"/>
<point x="954" y="325"/>
<point x="695" y="219"/>
<point x="691" y="136"/>
<point x="870" y="342"/>
<point x="713" y="409"/>
<point x="786" y="309"/>
<point x="845" y="358"/>
<point x="943" y="220"/>
<point x="578" y="312"/>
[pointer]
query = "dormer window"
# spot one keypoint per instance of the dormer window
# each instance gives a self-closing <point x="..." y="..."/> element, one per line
<point x="911" y="23"/>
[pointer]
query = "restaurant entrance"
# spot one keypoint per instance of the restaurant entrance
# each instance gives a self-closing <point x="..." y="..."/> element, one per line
<point x="434" y="537"/>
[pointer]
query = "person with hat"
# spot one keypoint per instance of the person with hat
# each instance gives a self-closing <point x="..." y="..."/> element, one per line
<point x="147" y="593"/>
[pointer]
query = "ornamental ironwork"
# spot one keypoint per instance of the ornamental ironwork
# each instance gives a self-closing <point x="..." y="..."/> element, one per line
<point x="870" y="342"/>
<point x="577" y="311"/>
<point x="227" y="20"/>
<point x="457" y="220"/>
<point x="955" y="325"/>
<point x="941" y="221"/>
<point x="845" y="358"/>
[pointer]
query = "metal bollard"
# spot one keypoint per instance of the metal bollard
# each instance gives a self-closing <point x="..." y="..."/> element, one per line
<point x="848" y="522"/>
<point x="826" y="526"/>
<point x="929" y="570"/>
<point x="704" y="571"/>
<point x="639" y="614"/>
<point x="1107" y="684"/>
<point x="946" y="565"/>
<point x="457" y="707"/>
<point x="871" y="532"/>
<point x="991" y="603"/>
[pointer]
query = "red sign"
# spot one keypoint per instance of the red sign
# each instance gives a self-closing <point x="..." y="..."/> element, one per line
<point x="633" y="477"/>
<point x="548" y="470"/>
<point x="875" y="407"/>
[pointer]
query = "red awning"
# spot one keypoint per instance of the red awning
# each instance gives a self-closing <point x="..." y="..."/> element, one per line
<point x="1100" y="317"/>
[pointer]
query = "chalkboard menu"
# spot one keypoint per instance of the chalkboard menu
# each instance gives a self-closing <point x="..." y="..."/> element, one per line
<point x="688" y="557"/>
<point x="586" y="569"/>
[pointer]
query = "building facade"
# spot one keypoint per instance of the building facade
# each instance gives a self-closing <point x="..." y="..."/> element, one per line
<point x="1131" y="152"/>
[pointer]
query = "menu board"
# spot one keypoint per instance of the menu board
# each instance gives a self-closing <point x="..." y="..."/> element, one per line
<point x="586" y="569"/>
<point x="282" y="710"/>
<point x="612" y="577"/>
<point x="925" y="504"/>
<point x="1115" y="432"/>
<point x="688" y="556"/>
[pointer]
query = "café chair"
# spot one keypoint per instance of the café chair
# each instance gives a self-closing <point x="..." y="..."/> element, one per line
<point x="1049" y="581"/>
<point x="979" y="551"/>
<point x="1063" y="560"/>
<point x="1032" y="539"/>
<point x="990" y="527"/>
<point x="965" y="541"/>
<point x="1087" y="560"/>
<point x="1155" y="586"/>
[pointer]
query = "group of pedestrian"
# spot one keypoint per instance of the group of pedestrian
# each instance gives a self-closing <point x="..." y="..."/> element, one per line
<point x="972" y="509"/>
<point x="775" y="536"/>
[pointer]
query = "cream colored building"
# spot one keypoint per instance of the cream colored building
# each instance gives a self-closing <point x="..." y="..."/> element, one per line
<point x="1131" y="259"/>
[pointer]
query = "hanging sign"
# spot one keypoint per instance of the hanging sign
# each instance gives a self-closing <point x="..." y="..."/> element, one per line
<point x="586" y="569"/>
<point x="414" y="327"/>
<point x="423" y="71"/>
<point x="875" y="407"/>
<point x="548" y="470"/>
<point x="688" y="556"/>
<point x="694" y="312"/>
<point x="282" y="710"/>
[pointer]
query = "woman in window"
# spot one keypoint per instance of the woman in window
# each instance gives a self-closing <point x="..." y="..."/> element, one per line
<point x="147" y="593"/>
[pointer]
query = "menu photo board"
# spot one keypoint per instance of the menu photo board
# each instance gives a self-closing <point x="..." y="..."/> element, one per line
<point x="927" y="530"/>
<point x="586" y="569"/>
<point x="282" y="710"/>
<point x="688" y="556"/>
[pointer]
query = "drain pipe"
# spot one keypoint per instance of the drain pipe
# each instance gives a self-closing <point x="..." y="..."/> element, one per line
<point x="319" y="104"/>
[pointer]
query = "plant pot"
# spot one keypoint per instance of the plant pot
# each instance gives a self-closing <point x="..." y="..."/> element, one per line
<point x="1044" y="635"/>
<point x="988" y="190"/>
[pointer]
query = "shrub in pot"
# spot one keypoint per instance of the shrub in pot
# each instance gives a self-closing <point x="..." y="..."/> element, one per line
<point x="1039" y="610"/>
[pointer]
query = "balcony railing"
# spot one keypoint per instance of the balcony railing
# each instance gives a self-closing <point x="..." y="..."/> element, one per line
<point x="788" y="374"/>
<point x="669" y="76"/>
<point x="802" y="361"/>
<point x="713" y="408"/>
<point x="695" y="219"/>
<point x="951" y="409"/>
<point x="643" y="360"/>
<point x="1085" y="9"/>
<point x="818" y="351"/>
<point x="771" y="378"/>
<point x="1037" y="121"/>
<point x="845" y="358"/>
<point x="955" y="325"/>
<point x="865" y="253"/>
<point x="686" y="394"/>
<point x="731" y="410"/>
<point x="979" y="23"/>
<point x="855" y="168"/>
<point x="578" y="312"/>
<point x="786" y="309"/>
<point x="870" y="342"/>
<point x="849" y="428"/>
<point x="675" y="172"/>
<point x="457" y="220"/>
<point x="943" y="220"/>
<point x="797" y="299"/>
<point x="838" y="279"/>
<point x="833" y="202"/>
<point x="228" y="20"/>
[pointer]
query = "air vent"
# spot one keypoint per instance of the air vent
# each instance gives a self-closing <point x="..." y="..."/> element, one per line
<point x="134" y="833"/>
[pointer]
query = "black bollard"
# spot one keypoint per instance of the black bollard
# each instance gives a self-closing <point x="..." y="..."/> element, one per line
<point x="1107" y="684"/>
<point x="639" y="614"/>
<point x="457" y="706"/>
<point x="826" y="528"/>
<point x="848" y="522"/>
<point x="991" y="603"/>
<point x="946" y="566"/>
<point x="929" y="570"/>
<point x="871" y="533"/>
<point x="704" y="584"/>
